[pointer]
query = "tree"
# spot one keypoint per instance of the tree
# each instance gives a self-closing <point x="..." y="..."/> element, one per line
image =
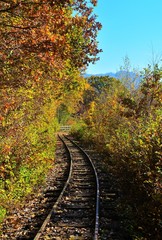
<point x="47" y="31"/>
<point x="129" y="77"/>
<point x="127" y="126"/>
<point x="44" y="45"/>
<point x="151" y="90"/>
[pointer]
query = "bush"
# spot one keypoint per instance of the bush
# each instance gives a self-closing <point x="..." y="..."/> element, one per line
<point x="127" y="126"/>
<point x="27" y="148"/>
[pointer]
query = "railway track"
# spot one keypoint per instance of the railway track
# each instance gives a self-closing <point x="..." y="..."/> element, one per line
<point x="71" y="205"/>
<point x="75" y="214"/>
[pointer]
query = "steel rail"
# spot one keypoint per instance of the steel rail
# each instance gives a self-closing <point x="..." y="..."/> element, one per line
<point x="97" y="190"/>
<point x="46" y="221"/>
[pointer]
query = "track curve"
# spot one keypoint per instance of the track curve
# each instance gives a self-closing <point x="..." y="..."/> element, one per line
<point x="75" y="215"/>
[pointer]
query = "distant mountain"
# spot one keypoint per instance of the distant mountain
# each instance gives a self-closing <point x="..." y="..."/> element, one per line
<point x="119" y="75"/>
<point x="100" y="74"/>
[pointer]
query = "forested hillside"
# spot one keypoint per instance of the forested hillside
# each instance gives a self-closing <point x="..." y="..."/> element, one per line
<point x="44" y="45"/>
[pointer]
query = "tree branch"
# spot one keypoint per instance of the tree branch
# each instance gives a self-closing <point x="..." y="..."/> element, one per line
<point x="19" y="27"/>
<point x="9" y="8"/>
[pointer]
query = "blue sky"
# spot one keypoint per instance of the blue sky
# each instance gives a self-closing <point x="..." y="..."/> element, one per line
<point x="130" y="27"/>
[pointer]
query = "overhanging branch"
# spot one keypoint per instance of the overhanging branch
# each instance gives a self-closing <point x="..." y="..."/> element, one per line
<point x="10" y="8"/>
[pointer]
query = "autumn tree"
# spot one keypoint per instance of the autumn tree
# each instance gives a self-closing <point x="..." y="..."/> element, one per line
<point x="126" y="125"/>
<point x="44" y="45"/>
<point x="47" y="31"/>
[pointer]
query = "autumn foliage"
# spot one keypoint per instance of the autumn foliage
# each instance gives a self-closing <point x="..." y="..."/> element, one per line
<point x="125" y="125"/>
<point x="44" y="45"/>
